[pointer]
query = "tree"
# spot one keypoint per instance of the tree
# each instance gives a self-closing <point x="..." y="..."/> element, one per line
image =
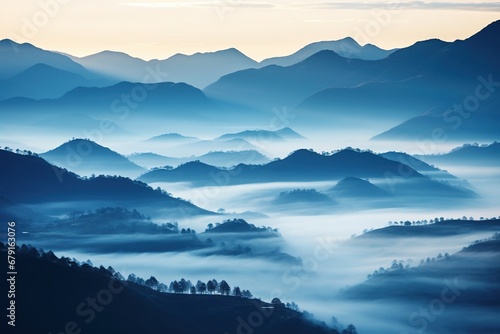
<point x="246" y="294"/>
<point x="237" y="291"/>
<point x="210" y="287"/>
<point x="216" y="285"/>
<point x="224" y="288"/>
<point x="276" y="301"/>
<point x="293" y="306"/>
<point x="350" y="329"/>
<point x="152" y="283"/>
<point x="192" y="290"/>
<point x="177" y="287"/>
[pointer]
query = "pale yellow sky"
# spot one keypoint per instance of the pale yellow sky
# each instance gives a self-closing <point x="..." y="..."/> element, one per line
<point x="263" y="28"/>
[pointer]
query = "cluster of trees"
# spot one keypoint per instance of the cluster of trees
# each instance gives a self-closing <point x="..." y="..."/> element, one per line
<point x="186" y="286"/>
<point x="18" y="151"/>
<point x="406" y="265"/>
<point x="433" y="221"/>
<point x="181" y="286"/>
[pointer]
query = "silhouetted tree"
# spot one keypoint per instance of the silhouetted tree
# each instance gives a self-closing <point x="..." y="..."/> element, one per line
<point x="224" y="288"/>
<point x="350" y="329"/>
<point x="192" y="290"/>
<point x="236" y="291"/>
<point x="246" y="294"/>
<point x="210" y="287"/>
<point x="152" y="283"/>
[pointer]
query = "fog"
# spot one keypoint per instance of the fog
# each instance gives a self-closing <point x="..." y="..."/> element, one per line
<point x="322" y="236"/>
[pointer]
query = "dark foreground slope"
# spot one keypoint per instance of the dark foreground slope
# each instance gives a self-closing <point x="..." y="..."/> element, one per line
<point x="52" y="297"/>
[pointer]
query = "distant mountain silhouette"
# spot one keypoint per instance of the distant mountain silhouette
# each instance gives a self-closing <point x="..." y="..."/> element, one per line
<point x="253" y="135"/>
<point x="305" y="165"/>
<point x="438" y="229"/>
<point x="137" y="106"/>
<point x="346" y="47"/>
<point x="297" y="196"/>
<point x="198" y="70"/>
<point x="232" y="158"/>
<point x="172" y="138"/>
<point x="423" y="168"/>
<point x="353" y="187"/>
<point x="16" y="58"/>
<point x="433" y="75"/>
<point x="157" y="312"/>
<point x="473" y="155"/>
<point x="263" y="135"/>
<point x="86" y="157"/>
<point x="31" y="180"/>
<point x="216" y="158"/>
<point x="203" y="146"/>
<point x="41" y="81"/>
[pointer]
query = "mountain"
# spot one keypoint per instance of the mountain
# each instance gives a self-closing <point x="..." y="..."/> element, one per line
<point x="172" y="138"/>
<point x="253" y="135"/>
<point x="79" y="292"/>
<point x="120" y="66"/>
<point x="469" y="154"/>
<point x="353" y="187"/>
<point x="16" y="58"/>
<point x="233" y="158"/>
<point x="305" y="165"/>
<point x="422" y="167"/>
<point x="302" y="196"/>
<point x="433" y="75"/>
<point x="198" y="70"/>
<point x="201" y="147"/>
<point x="216" y="158"/>
<point x="346" y="47"/>
<point x="41" y="81"/>
<point x="86" y="157"/>
<point x="275" y="86"/>
<point x="439" y="229"/>
<point x="150" y="160"/>
<point x="263" y="135"/>
<point x="139" y="107"/>
<point x="471" y="68"/>
<point x="288" y="134"/>
<point x="464" y="282"/>
<point x="28" y="179"/>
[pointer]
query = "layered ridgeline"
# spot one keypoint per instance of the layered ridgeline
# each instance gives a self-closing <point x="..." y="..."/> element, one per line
<point x="448" y="87"/>
<point x="215" y="158"/>
<point x="304" y="166"/>
<point x="99" y="300"/>
<point x="428" y="77"/>
<point x="28" y="179"/>
<point x="467" y="155"/>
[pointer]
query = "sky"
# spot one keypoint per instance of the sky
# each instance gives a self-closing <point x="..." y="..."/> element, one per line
<point x="157" y="29"/>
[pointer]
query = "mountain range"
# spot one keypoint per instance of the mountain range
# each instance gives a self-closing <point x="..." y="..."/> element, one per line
<point x="414" y="91"/>
<point x="28" y="179"/>
<point x="215" y="158"/>
<point x="469" y="154"/>
<point x="304" y="165"/>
